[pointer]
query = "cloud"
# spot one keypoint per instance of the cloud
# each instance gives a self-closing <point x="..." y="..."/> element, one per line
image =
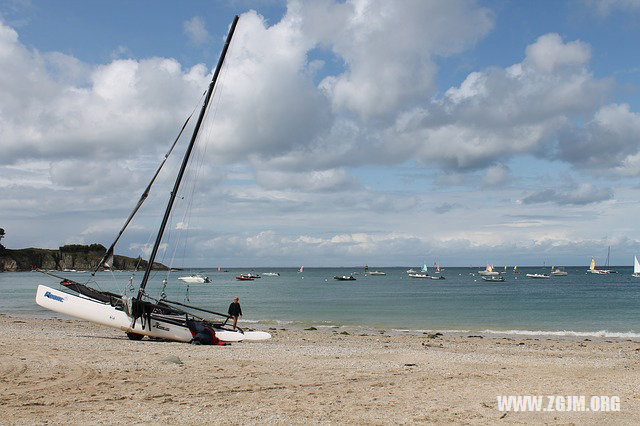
<point x="505" y="112"/>
<point x="608" y="143"/>
<point x="390" y="47"/>
<point x="549" y="53"/>
<point x="445" y="207"/>
<point x="314" y="181"/>
<point x="497" y="176"/>
<point x="196" y="30"/>
<point x="606" y="7"/>
<point x="583" y="194"/>
<point x="55" y="107"/>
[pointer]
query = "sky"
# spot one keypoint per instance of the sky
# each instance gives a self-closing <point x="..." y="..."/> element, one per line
<point x="341" y="133"/>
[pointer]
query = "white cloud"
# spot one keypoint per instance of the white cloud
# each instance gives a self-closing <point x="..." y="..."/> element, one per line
<point x="196" y="30"/>
<point x="549" y="53"/>
<point x="505" y="112"/>
<point x="497" y="175"/>
<point x="605" y="7"/>
<point x="389" y="48"/>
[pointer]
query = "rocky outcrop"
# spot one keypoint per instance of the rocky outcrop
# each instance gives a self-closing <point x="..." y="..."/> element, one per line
<point x="78" y="257"/>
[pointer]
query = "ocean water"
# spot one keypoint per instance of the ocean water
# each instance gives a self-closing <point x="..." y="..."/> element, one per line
<point x="579" y="304"/>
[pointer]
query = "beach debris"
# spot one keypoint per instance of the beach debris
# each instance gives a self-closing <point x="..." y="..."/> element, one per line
<point x="345" y="333"/>
<point x="311" y="329"/>
<point x="433" y="336"/>
<point x="476" y="337"/>
<point x="410" y="365"/>
<point x="172" y="359"/>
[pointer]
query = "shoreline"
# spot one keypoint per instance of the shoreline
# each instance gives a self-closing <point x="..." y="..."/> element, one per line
<point x="69" y="371"/>
<point x="263" y="325"/>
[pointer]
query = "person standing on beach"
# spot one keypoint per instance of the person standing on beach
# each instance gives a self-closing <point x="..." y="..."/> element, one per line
<point x="235" y="311"/>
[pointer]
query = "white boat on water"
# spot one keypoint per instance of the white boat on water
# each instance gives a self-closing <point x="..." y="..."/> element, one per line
<point x="488" y="271"/>
<point x="143" y="315"/>
<point x="195" y="279"/>
<point x="271" y="274"/>
<point x="419" y="275"/>
<point x="493" y="278"/>
<point x="539" y="276"/>
<point x="636" y="267"/>
<point x="411" y="271"/>
<point x="377" y="273"/>
<point x="594" y="270"/>
<point x="558" y="272"/>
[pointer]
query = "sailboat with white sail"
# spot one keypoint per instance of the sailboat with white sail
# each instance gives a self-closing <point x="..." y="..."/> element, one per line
<point x="144" y="315"/>
<point x="636" y="267"/>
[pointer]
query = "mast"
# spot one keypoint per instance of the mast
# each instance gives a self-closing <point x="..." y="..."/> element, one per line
<point x="185" y="160"/>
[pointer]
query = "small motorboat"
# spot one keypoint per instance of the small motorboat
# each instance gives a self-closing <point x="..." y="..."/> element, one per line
<point x="417" y="275"/>
<point x="244" y="277"/>
<point x="411" y="271"/>
<point x="377" y="273"/>
<point x="195" y="279"/>
<point x="540" y="276"/>
<point x="271" y="274"/>
<point x="493" y="278"/>
<point x="440" y="277"/>
<point x="344" y="278"/>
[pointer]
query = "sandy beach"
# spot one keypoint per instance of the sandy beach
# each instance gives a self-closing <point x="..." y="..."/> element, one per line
<point x="59" y="372"/>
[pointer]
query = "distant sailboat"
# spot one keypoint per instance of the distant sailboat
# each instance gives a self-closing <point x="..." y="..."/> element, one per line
<point x="595" y="270"/>
<point x="301" y="269"/>
<point x="636" y="267"/>
<point x="515" y="269"/>
<point x="558" y="272"/>
<point x="488" y="272"/>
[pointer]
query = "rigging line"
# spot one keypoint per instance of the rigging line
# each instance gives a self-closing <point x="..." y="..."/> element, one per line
<point x="193" y="174"/>
<point x="185" y="161"/>
<point x="143" y="197"/>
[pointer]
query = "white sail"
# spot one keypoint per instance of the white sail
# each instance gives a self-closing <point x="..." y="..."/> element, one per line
<point x="636" y="267"/>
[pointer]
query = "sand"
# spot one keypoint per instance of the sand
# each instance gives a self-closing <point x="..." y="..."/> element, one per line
<point x="70" y="372"/>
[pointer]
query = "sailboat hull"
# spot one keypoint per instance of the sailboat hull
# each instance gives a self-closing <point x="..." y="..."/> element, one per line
<point x="105" y="314"/>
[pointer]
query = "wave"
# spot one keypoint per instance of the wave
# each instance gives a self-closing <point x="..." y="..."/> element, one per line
<point x="566" y="333"/>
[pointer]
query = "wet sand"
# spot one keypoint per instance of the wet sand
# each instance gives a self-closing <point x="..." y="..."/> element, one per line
<point x="59" y="372"/>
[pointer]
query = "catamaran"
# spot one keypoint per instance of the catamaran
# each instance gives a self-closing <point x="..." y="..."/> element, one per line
<point x="144" y="315"/>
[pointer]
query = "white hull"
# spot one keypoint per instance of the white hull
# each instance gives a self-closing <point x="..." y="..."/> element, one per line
<point x="194" y="279"/>
<point x="537" y="276"/>
<point x="488" y="273"/>
<point x="105" y="314"/>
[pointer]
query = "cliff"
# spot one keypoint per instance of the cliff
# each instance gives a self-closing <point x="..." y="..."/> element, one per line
<point x="78" y="257"/>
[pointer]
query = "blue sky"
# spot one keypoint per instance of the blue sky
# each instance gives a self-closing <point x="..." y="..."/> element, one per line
<point x="342" y="133"/>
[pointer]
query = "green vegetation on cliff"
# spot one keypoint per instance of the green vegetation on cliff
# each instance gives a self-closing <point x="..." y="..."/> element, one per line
<point x="72" y="256"/>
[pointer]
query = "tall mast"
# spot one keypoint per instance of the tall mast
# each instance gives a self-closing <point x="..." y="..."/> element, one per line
<point x="185" y="160"/>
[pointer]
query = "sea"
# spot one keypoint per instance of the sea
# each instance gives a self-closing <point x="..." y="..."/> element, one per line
<point x="579" y="304"/>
